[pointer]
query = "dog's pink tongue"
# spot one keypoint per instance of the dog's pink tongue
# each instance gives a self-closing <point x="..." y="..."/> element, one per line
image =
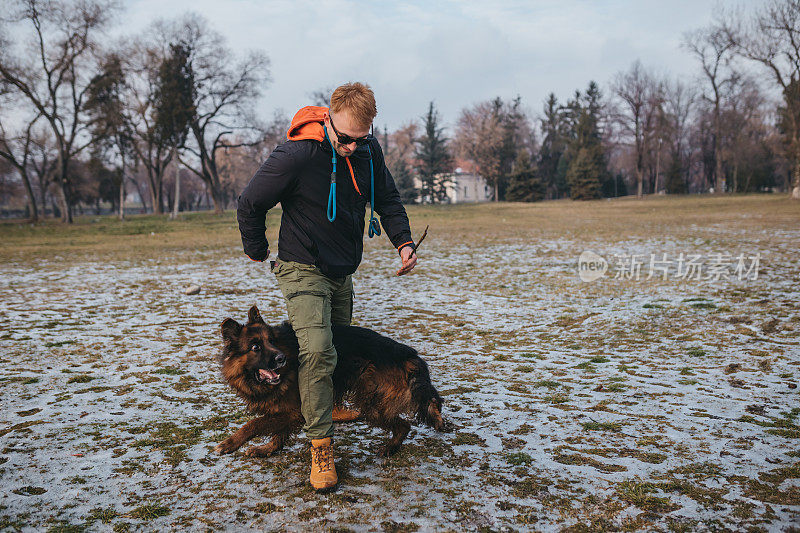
<point x="266" y="374"/>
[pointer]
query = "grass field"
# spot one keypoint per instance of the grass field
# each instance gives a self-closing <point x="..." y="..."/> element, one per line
<point x="617" y="404"/>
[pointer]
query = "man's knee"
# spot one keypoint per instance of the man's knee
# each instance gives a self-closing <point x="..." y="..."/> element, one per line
<point x="317" y="353"/>
<point x="316" y="347"/>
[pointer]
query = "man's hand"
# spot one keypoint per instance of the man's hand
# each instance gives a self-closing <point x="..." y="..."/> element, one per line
<point x="409" y="259"/>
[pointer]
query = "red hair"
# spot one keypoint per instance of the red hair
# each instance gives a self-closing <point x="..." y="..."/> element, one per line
<point x="358" y="99"/>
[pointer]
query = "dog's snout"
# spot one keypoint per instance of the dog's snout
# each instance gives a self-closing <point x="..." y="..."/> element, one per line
<point x="280" y="358"/>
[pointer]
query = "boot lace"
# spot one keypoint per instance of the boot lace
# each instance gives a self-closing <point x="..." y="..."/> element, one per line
<point x="322" y="457"/>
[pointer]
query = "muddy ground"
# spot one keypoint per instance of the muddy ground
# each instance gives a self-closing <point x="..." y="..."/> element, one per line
<point x="616" y="404"/>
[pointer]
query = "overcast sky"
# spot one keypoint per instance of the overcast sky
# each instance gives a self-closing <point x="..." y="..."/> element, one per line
<point x="454" y="53"/>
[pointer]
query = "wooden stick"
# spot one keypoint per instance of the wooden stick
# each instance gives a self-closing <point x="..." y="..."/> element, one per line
<point x="424" y="234"/>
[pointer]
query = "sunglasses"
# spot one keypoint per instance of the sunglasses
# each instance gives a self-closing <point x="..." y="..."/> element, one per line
<point x="346" y="139"/>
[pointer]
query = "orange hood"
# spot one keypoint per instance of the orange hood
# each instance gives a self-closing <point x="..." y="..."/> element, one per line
<point x="307" y="124"/>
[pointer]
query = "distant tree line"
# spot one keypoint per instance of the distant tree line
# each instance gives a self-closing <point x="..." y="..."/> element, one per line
<point x="646" y="133"/>
<point x="84" y="119"/>
<point x="169" y="114"/>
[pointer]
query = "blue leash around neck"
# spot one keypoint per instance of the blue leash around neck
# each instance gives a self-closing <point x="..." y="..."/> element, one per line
<point x="332" y="194"/>
<point x="374" y="226"/>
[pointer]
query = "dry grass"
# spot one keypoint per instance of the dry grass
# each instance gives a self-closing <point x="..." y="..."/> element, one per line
<point x="610" y="220"/>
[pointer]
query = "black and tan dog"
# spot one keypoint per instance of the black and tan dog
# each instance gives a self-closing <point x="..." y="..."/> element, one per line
<point x="380" y="377"/>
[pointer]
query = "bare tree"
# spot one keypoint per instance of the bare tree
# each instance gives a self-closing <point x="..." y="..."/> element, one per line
<point x="479" y="138"/>
<point x="18" y="149"/>
<point x="401" y="143"/>
<point x="138" y="177"/>
<point x="272" y="133"/>
<point x="143" y="59"/>
<point x="640" y="96"/>
<point x="679" y="102"/>
<point x="399" y="146"/>
<point x="490" y="135"/>
<point x="43" y="162"/>
<point x="226" y="90"/>
<point x="237" y="163"/>
<point x="9" y="187"/>
<point x="771" y="38"/>
<point x="321" y="97"/>
<point x="743" y="127"/>
<point x="54" y="76"/>
<point x="714" y="51"/>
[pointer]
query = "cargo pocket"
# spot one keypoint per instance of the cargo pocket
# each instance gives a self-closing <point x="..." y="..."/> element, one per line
<point x="307" y="309"/>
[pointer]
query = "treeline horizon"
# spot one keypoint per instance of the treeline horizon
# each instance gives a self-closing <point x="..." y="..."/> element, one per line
<point x="170" y="114"/>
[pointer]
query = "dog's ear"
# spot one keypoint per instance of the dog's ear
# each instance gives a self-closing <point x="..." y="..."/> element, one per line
<point x="230" y="330"/>
<point x="254" y="317"/>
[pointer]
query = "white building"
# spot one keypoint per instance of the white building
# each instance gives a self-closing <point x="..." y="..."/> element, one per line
<point x="463" y="187"/>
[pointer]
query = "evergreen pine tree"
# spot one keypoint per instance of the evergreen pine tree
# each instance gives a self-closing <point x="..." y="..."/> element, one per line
<point x="561" y="183"/>
<point x="613" y="186"/>
<point x="582" y="176"/>
<point x="434" y="161"/>
<point x="674" y="183"/>
<point x="524" y="184"/>
<point x="174" y="104"/>
<point x="553" y="146"/>
<point x="175" y="96"/>
<point x="587" y="166"/>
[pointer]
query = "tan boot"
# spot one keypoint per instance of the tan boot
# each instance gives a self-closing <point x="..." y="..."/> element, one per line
<point x="323" y="471"/>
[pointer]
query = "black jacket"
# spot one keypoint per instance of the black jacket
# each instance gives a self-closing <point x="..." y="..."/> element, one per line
<point x="297" y="174"/>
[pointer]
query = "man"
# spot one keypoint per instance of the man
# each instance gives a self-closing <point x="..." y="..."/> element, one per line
<point x="323" y="176"/>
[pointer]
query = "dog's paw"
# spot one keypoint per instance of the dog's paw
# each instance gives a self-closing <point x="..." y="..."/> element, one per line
<point x="226" y="446"/>
<point x="261" y="451"/>
<point x="447" y="426"/>
<point x="388" y="450"/>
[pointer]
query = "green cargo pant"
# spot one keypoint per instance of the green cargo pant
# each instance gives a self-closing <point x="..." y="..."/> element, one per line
<point x="315" y="301"/>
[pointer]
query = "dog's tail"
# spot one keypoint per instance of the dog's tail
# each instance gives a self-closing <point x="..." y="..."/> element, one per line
<point x="427" y="402"/>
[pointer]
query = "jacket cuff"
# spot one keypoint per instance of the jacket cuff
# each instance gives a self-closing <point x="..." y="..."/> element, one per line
<point x="409" y="243"/>
<point x="257" y="251"/>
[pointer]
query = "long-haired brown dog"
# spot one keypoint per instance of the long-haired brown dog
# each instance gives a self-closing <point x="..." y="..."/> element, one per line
<point x="380" y="377"/>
